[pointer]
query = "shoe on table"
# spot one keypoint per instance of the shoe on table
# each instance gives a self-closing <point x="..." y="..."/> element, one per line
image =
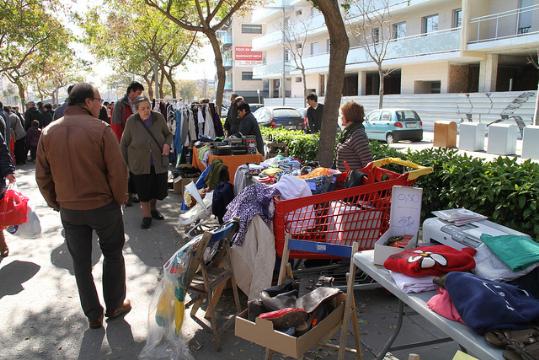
<point x="157" y="215"/>
<point x="97" y="323"/>
<point x="146" y="223"/>
<point x="120" y="311"/>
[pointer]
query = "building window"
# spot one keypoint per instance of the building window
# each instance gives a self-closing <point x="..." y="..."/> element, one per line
<point x="399" y="30"/>
<point x="298" y="79"/>
<point x="457" y="18"/>
<point x="375" y="34"/>
<point x="430" y="24"/>
<point x="299" y="12"/>
<point x="299" y="46"/>
<point x="286" y="56"/>
<point x="247" y="75"/>
<point x="315" y="48"/>
<point x="251" y="29"/>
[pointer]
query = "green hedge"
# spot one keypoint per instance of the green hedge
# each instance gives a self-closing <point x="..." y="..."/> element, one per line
<point x="504" y="190"/>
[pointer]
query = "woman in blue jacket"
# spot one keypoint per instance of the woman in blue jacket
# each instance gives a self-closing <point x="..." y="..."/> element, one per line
<point x="6" y="172"/>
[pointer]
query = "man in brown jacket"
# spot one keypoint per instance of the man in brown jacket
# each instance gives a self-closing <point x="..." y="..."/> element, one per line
<point x="80" y="172"/>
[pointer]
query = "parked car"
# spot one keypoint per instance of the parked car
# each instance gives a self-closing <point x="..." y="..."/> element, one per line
<point x="392" y="125"/>
<point x="279" y="116"/>
<point x="255" y="107"/>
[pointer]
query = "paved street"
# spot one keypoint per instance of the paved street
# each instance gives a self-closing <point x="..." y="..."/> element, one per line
<point x="41" y="316"/>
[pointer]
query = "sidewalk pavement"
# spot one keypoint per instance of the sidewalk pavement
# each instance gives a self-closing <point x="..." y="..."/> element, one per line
<point x="41" y="316"/>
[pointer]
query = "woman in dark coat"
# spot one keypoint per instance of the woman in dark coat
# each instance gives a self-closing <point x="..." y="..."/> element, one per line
<point x="7" y="171"/>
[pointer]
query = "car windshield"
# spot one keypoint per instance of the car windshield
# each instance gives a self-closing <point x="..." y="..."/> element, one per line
<point x="286" y="113"/>
<point x="407" y="115"/>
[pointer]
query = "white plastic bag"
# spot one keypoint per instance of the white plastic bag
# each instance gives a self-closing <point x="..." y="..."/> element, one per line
<point x="31" y="229"/>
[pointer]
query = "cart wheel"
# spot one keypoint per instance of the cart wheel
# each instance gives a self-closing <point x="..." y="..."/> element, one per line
<point x="389" y="138"/>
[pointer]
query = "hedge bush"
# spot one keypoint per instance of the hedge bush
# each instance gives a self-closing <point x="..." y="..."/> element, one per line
<point x="504" y="190"/>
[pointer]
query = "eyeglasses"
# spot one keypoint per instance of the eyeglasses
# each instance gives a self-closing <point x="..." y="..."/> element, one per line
<point x="99" y="99"/>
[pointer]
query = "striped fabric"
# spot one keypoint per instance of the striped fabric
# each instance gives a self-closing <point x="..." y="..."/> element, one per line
<point x="355" y="150"/>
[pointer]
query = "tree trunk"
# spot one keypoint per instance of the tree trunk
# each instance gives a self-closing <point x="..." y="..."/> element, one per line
<point x="339" y="45"/>
<point x="221" y="74"/>
<point x="381" y="88"/>
<point x="22" y="94"/>
<point x="536" y="117"/>
<point x="304" y="79"/>
<point x="149" y="84"/>
<point x="170" y="80"/>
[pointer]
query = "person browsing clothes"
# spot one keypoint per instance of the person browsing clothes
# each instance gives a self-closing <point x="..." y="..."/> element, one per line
<point x="249" y="125"/>
<point x="353" y="145"/>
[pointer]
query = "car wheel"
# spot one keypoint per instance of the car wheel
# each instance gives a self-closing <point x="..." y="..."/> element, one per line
<point x="390" y="139"/>
<point x="417" y="139"/>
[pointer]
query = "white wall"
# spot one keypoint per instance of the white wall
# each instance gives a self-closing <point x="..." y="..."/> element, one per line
<point x="424" y="72"/>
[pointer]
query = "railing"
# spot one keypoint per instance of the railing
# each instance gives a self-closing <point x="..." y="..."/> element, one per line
<point x="275" y="69"/>
<point x="227" y="61"/>
<point x="416" y="45"/>
<point x="507" y="24"/>
<point x="228" y="85"/>
<point x="270" y="39"/>
<point x="225" y="37"/>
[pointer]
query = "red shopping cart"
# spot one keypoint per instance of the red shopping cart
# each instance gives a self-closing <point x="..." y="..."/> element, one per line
<point x="343" y="216"/>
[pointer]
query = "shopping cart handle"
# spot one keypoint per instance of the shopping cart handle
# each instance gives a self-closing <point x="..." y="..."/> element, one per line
<point x="412" y="175"/>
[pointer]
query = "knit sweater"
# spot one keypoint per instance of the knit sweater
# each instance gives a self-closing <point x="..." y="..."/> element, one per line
<point x="354" y="150"/>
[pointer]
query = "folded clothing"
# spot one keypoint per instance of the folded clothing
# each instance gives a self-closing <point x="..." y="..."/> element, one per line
<point x="410" y="284"/>
<point x="432" y="260"/>
<point x="488" y="266"/>
<point x="442" y="305"/>
<point x="517" y="252"/>
<point x="486" y="305"/>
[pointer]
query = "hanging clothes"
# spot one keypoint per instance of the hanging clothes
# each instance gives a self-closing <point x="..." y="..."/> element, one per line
<point x="209" y="130"/>
<point x="217" y="125"/>
<point x="200" y="122"/>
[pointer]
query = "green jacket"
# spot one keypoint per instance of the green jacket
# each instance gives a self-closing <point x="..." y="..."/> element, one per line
<point x="139" y="150"/>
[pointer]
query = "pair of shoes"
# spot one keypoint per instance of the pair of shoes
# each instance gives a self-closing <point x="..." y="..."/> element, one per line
<point x="129" y="202"/>
<point x="157" y="215"/>
<point x="146" y="223"/>
<point x="97" y="323"/>
<point x="120" y="311"/>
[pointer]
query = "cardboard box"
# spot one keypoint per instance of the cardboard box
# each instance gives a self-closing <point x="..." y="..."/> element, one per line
<point x="404" y="219"/>
<point x="179" y="184"/>
<point x="262" y="333"/>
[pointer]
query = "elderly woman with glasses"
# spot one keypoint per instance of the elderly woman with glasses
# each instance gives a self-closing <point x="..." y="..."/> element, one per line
<point x="145" y="146"/>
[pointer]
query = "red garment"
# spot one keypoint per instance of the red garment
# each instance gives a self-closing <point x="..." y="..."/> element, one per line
<point x="121" y="112"/>
<point x="433" y="260"/>
<point x="442" y="305"/>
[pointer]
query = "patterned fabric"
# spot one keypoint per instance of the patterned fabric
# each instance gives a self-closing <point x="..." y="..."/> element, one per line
<point x="253" y="200"/>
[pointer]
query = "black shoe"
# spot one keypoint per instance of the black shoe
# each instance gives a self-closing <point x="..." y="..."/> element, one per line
<point x="129" y="203"/>
<point x="157" y="215"/>
<point x="135" y="198"/>
<point x="146" y="223"/>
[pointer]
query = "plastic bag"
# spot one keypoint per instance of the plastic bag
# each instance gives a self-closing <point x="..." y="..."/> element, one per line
<point x="166" y="311"/>
<point x="31" y="229"/>
<point x="13" y="207"/>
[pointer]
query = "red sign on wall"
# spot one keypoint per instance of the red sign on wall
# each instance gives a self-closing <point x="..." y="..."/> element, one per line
<point x="245" y="53"/>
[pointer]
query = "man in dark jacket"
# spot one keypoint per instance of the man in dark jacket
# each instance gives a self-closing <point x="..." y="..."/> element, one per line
<point x="80" y="171"/>
<point x="58" y="113"/>
<point x="314" y="114"/>
<point x="249" y="125"/>
<point x="231" y="115"/>
<point x="30" y="115"/>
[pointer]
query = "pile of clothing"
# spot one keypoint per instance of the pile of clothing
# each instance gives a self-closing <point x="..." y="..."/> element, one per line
<point x="493" y="289"/>
<point x="293" y="314"/>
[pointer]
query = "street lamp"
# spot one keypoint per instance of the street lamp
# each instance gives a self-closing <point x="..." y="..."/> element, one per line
<point x="258" y="93"/>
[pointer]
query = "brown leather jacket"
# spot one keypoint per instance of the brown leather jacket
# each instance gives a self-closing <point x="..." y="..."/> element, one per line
<point x="79" y="165"/>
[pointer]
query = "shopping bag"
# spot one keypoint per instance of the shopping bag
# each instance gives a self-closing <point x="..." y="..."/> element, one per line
<point x="31" y="229"/>
<point x="13" y="207"/>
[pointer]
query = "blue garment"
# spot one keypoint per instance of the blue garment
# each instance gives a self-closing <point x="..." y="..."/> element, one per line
<point x="251" y="201"/>
<point x="486" y="305"/>
<point x="178" y="146"/>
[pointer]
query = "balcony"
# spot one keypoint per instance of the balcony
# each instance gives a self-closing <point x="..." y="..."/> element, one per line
<point x="271" y="70"/>
<point x="228" y="62"/>
<point x="225" y="37"/>
<point x="228" y="85"/>
<point x="505" y="25"/>
<point x="418" y="45"/>
<point x="270" y="9"/>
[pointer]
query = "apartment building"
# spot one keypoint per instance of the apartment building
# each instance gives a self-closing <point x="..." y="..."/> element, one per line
<point x="436" y="46"/>
<point x="239" y="58"/>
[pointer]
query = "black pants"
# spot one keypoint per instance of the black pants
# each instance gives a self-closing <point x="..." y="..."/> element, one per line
<point x="20" y="151"/>
<point x="108" y="224"/>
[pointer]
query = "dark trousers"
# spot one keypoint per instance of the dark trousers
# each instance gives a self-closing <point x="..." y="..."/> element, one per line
<point x="20" y="151"/>
<point x="108" y="224"/>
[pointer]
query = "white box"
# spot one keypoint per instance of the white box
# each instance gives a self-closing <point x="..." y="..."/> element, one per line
<point x="404" y="219"/>
<point x="502" y="139"/>
<point x="530" y="142"/>
<point x="472" y="136"/>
